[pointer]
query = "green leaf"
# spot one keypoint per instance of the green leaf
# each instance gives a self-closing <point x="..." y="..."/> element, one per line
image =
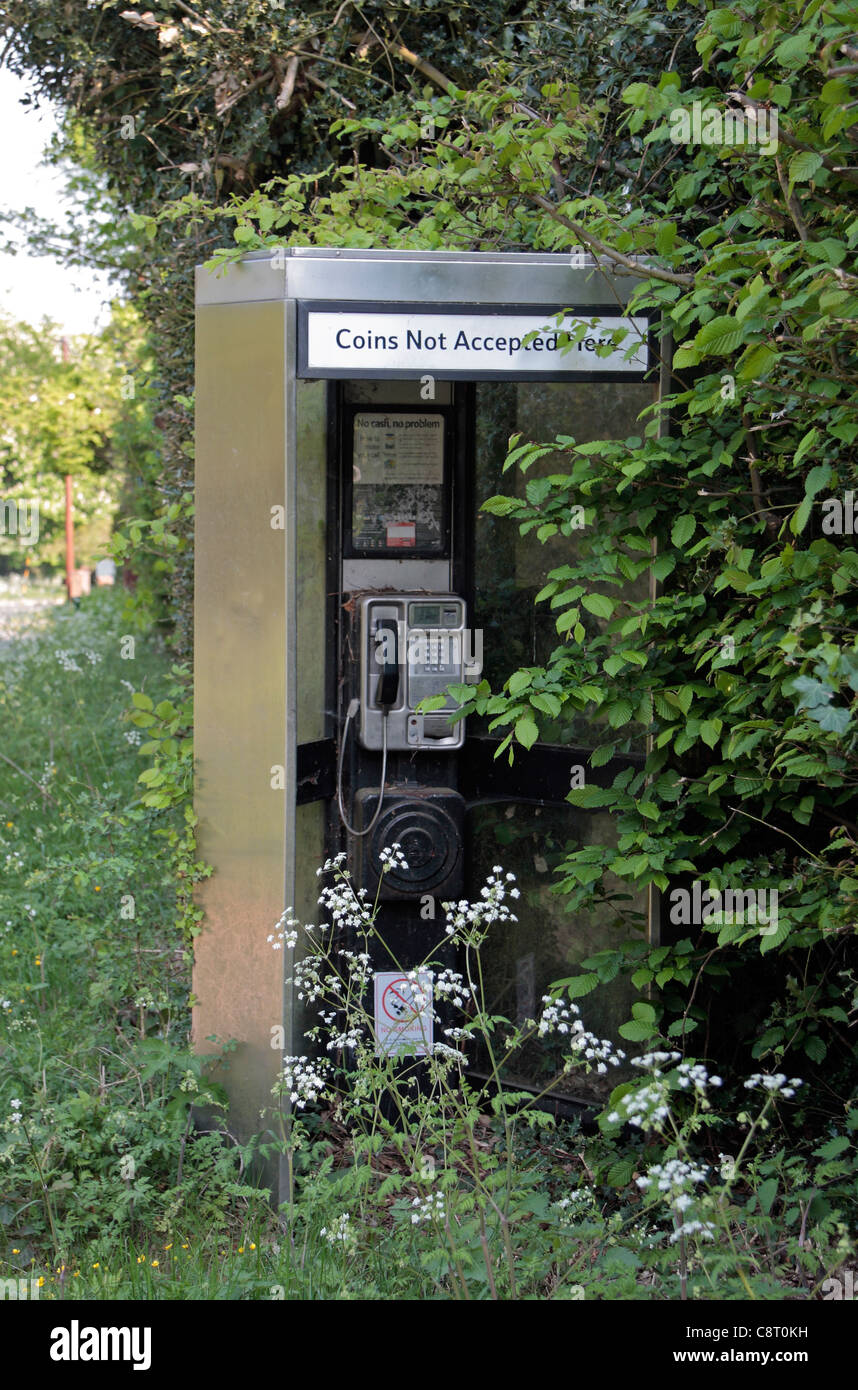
<point x="794" y="49"/>
<point x="546" y="703"/>
<point x="801" y="516"/>
<point x="598" y="604"/>
<point x="834" y="1147"/>
<point x="776" y="938"/>
<point x="526" y="731"/>
<point x="619" y="713"/>
<point x="636" y="1030"/>
<point x="681" y="1026"/>
<point x="686" y="356"/>
<point x="518" y="681"/>
<point x="766" y="1194"/>
<point x="644" y="1012"/>
<point x="591" y="796"/>
<point x="720" y="336"/>
<point x="579" y="985"/>
<point x="683" y="529"/>
<point x="710" y="731"/>
<point x="757" y="362"/>
<point x="807" y="443"/>
<point x="621" y="1172"/>
<point x="815" y="1048"/>
<point x="803" y="166"/>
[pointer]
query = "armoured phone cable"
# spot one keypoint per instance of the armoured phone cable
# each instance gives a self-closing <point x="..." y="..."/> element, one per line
<point x="350" y="714"/>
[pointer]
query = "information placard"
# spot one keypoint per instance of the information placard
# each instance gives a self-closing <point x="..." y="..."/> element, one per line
<point x="398" y="480"/>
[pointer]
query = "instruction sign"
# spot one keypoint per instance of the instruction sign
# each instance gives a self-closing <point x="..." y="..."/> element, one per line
<point x="398" y="480"/>
<point x="403" y="1013"/>
<point x="457" y="342"/>
<point x="398" y="447"/>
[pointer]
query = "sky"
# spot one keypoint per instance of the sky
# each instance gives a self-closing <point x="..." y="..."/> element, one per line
<point x="34" y="286"/>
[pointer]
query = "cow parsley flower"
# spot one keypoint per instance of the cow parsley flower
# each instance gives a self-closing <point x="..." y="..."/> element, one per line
<point x="447" y="1054"/>
<point x="579" y="1203"/>
<point x="287" y="934"/>
<point x="695" y="1076"/>
<point x="645" y="1108"/>
<point x="303" y="1079"/>
<point x="450" y="986"/>
<point x="600" y="1051"/>
<point x="776" y="1084"/>
<point x="340" y="1232"/>
<point x="704" y="1229"/>
<point x="429" y="1208"/>
<point x="557" y="1016"/>
<point x="417" y="989"/>
<point x="350" y="1038"/>
<point x="468" y="922"/>
<point x="654" y="1061"/>
<point x="392" y="858"/>
<point x="671" y="1177"/>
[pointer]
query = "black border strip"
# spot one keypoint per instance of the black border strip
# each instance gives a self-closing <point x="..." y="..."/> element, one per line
<point x="307" y="306"/>
<point x="316" y="771"/>
<point x="539" y="775"/>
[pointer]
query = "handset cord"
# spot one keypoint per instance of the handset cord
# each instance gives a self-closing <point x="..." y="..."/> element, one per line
<point x="352" y="711"/>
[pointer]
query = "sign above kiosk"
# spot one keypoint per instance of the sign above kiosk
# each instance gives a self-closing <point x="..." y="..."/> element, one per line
<point x="460" y="342"/>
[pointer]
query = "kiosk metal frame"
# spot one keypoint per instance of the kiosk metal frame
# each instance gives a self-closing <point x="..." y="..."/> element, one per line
<point x="265" y="613"/>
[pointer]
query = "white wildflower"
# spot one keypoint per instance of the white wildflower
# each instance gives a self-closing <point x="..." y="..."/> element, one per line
<point x="776" y="1084"/>
<point x="429" y="1208"/>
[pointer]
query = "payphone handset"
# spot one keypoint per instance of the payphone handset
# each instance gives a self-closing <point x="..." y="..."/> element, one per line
<point x="412" y="646"/>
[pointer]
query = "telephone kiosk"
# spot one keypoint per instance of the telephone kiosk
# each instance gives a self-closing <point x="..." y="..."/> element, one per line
<point x="353" y="412"/>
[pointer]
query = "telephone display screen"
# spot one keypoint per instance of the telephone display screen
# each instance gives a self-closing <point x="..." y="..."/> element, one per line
<point x="398" y="481"/>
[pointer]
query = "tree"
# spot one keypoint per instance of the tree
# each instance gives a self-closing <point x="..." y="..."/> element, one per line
<point x="214" y="100"/>
<point x="70" y="408"/>
<point x="741" y="664"/>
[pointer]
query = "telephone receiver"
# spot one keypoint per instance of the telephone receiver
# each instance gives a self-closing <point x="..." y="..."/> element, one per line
<point x="387" y="654"/>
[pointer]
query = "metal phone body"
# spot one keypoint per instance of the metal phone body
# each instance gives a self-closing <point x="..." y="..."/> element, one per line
<point x="412" y="646"/>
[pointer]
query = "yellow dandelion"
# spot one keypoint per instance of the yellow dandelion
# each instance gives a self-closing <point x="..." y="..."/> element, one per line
<point x="9" y="824"/>
<point x="169" y="1247"/>
<point x="77" y="1274"/>
<point x="96" y="1265"/>
<point x="154" y="1264"/>
<point x="41" y="1280"/>
<point x="38" y="960"/>
<point x="253" y="1247"/>
<point x="141" y="1259"/>
<point x="14" y="953"/>
<point x="15" y="1250"/>
<point x="97" y="888"/>
<point x="241" y="1250"/>
<point x="185" y="1246"/>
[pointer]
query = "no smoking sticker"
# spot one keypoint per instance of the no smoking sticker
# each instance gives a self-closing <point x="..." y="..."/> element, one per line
<point x="403" y="1013"/>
